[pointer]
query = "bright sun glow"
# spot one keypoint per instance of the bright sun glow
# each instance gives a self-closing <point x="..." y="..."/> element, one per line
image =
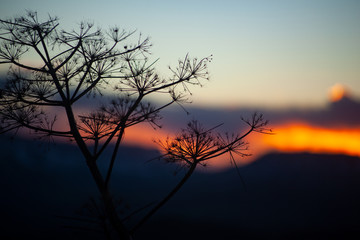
<point x="337" y="92"/>
<point x="302" y="137"/>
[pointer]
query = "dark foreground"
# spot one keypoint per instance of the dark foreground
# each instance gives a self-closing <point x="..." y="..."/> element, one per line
<point x="45" y="194"/>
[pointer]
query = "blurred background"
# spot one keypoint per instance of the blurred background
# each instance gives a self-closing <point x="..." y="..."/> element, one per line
<point x="297" y="62"/>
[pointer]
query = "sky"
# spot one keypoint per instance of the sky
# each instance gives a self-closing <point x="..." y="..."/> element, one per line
<point x="275" y="54"/>
<point x="298" y="62"/>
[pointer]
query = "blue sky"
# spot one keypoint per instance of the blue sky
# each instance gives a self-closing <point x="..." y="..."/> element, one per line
<point x="276" y="53"/>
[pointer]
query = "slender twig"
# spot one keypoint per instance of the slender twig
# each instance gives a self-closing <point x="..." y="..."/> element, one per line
<point x="165" y="199"/>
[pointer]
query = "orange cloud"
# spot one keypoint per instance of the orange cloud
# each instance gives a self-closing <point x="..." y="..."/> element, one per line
<point x="302" y="137"/>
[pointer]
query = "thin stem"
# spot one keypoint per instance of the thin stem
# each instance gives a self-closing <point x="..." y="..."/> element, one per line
<point x="167" y="198"/>
<point x="122" y="126"/>
<point x="110" y="208"/>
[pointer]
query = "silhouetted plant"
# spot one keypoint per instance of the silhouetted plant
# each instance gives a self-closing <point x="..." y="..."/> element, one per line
<point x="67" y="66"/>
<point x="195" y="145"/>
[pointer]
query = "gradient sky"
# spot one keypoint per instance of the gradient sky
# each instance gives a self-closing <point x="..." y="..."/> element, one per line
<point x="276" y="53"/>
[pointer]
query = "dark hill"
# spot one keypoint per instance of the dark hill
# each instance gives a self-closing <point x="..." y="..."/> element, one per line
<point x="288" y="196"/>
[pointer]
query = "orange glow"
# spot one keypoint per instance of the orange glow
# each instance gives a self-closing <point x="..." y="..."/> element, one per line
<point x="143" y="135"/>
<point x="337" y="92"/>
<point x="292" y="137"/>
<point x="302" y="137"/>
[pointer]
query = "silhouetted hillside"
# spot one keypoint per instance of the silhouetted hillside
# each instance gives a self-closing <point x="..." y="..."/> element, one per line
<point x="289" y="196"/>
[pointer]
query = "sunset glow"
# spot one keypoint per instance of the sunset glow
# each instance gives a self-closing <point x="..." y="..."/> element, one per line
<point x="144" y="136"/>
<point x="290" y="138"/>
<point x="306" y="138"/>
<point x="337" y="92"/>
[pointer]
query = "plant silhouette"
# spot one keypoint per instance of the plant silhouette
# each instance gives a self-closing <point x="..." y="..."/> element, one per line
<point x="68" y="66"/>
